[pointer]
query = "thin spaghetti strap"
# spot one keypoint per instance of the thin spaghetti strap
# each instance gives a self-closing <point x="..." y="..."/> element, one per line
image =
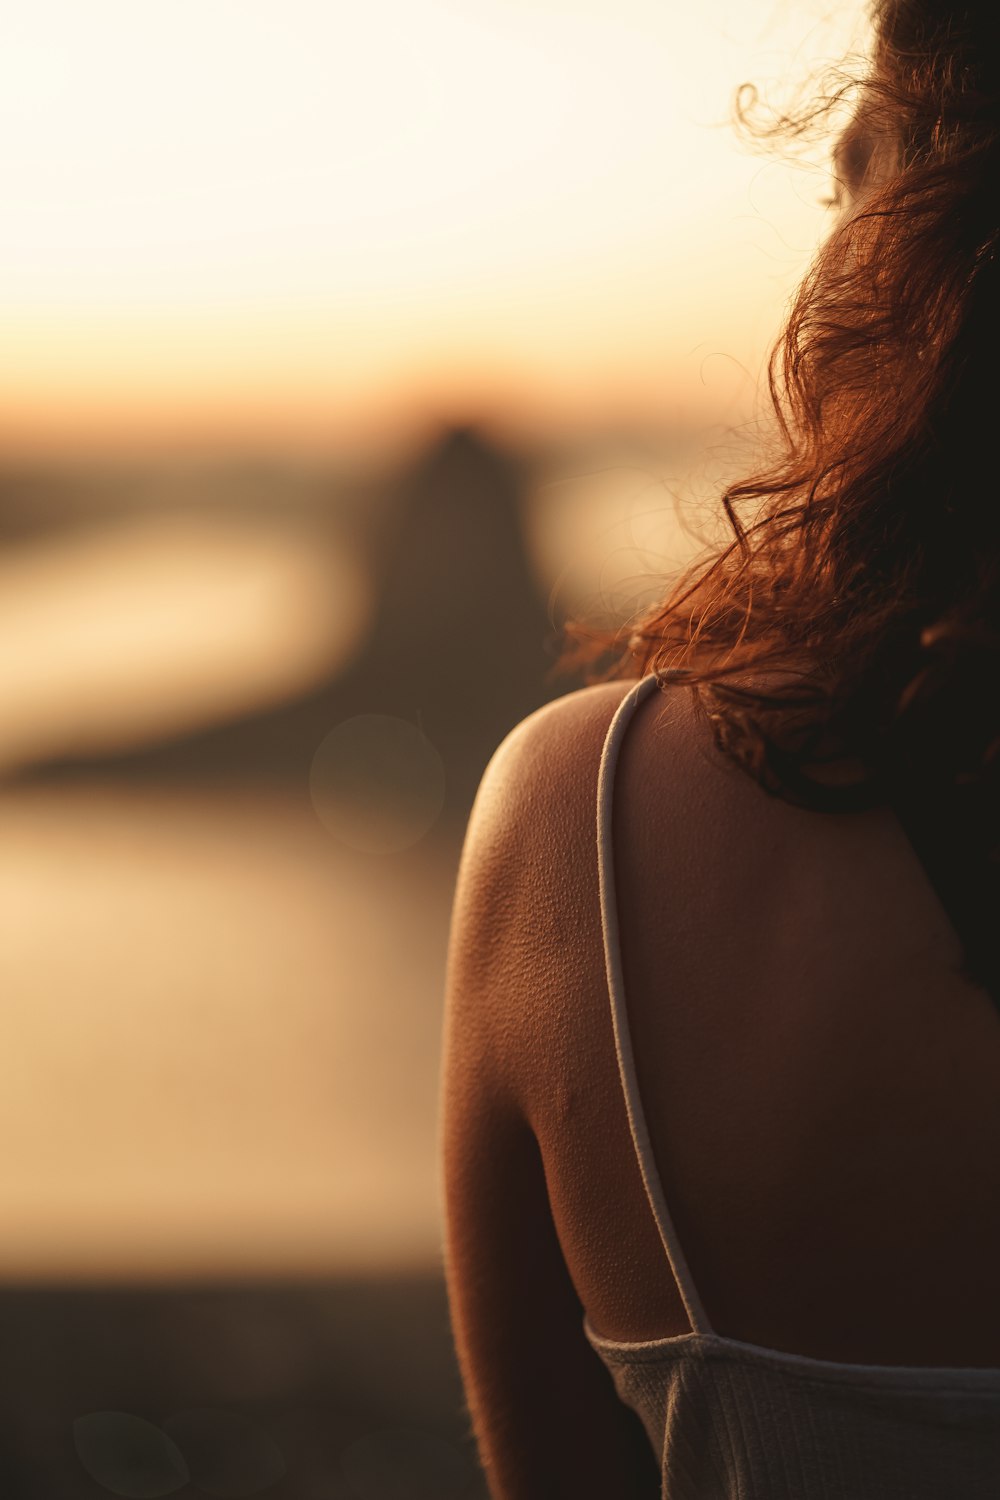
<point x="616" y="987"/>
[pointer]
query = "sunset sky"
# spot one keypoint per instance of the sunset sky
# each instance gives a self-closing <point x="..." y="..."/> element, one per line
<point x="244" y="221"/>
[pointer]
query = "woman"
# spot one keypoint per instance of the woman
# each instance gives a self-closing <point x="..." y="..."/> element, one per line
<point x="739" y="1236"/>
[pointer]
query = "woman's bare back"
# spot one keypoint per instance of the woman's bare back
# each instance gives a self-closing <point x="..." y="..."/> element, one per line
<point x="822" y="1092"/>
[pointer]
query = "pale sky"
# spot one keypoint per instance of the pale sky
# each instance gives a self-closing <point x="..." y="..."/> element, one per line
<point x="293" y="219"/>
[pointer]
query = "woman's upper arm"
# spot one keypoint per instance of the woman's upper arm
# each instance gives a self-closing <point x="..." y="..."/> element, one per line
<point x="544" y="1411"/>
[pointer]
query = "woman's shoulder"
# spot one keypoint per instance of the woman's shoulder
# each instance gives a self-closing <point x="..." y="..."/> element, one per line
<point x="555" y="752"/>
<point x="557" y="735"/>
<point x="526" y="925"/>
<point x="528" y="874"/>
<point x="541" y="770"/>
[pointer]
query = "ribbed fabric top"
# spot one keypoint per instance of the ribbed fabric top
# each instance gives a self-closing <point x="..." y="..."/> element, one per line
<point x="730" y="1420"/>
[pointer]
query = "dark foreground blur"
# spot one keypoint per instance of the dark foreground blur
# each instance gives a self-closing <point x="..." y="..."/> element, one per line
<point x="345" y="1390"/>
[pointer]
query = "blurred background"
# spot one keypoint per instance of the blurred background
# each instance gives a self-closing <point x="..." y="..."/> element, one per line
<point x="344" y="352"/>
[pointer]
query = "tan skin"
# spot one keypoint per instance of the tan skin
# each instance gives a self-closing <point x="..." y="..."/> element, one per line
<point x="822" y="1093"/>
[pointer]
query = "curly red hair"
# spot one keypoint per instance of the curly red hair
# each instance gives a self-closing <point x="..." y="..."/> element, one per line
<point x="854" y="617"/>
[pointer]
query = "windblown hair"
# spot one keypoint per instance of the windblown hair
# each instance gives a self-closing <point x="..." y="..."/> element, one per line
<point x="868" y="578"/>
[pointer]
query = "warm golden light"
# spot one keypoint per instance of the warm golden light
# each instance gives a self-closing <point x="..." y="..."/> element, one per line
<point x="258" y="221"/>
<point x="242" y="700"/>
<point x="221" y="618"/>
<point x="196" y="1080"/>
